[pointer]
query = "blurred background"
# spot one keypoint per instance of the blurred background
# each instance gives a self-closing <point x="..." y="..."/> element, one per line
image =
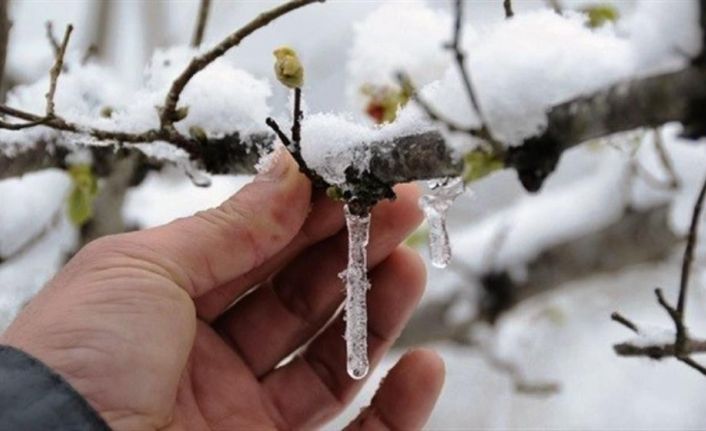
<point x="522" y="313"/>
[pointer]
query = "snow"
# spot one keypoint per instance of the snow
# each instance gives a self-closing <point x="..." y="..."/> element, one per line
<point x="23" y="275"/>
<point x="30" y="203"/>
<point x="356" y="279"/>
<point x="435" y="205"/>
<point x="537" y="222"/>
<point x="331" y="143"/>
<point x="393" y="39"/>
<point x="651" y="335"/>
<point x="167" y="195"/>
<point x="558" y="55"/>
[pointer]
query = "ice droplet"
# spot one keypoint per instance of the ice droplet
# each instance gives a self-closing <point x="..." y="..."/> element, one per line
<point x="356" y="278"/>
<point x="435" y="205"/>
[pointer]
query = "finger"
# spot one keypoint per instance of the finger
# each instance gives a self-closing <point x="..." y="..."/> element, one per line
<point x="304" y="295"/>
<point x="325" y="220"/>
<point x="407" y="395"/>
<point x="315" y="386"/>
<point x="214" y="246"/>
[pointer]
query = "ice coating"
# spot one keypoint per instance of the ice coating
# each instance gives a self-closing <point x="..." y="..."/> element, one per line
<point x="356" y="278"/>
<point x="435" y="205"/>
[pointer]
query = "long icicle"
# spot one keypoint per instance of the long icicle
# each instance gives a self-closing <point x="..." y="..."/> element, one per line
<point x="357" y="285"/>
<point x="435" y="205"/>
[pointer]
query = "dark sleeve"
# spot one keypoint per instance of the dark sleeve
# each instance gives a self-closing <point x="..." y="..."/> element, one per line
<point x="35" y="398"/>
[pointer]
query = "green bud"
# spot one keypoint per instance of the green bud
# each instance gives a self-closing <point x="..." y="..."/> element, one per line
<point x="335" y="193"/>
<point x="599" y="14"/>
<point x="83" y="193"/>
<point x="180" y="113"/>
<point x="198" y="134"/>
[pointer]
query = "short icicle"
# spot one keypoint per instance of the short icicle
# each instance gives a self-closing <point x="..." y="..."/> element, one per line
<point x="356" y="278"/>
<point x="435" y="205"/>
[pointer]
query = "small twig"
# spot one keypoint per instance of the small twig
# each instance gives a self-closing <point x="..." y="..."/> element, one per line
<point x="297" y="121"/>
<point x="295" y="150"/>
<point x="641" y="172"/>
<point x="53" y="41"/>
<point x="617" y="317"/>
<point x="405" y="82"/>
<point x="556" y="6"/>
<point x="201" y="19"/>
<point x="278" y="131"/>
<point x="197" y="64"/>
<point x="664" y="158"/>
<point x="507" y="4"/>
<point x="693" y="364"/>
<point x="459" y="56"/>
<point x="56" y="71"/>
<point x="91" y="52"/>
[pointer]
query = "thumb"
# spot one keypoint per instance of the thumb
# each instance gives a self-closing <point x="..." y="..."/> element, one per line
<point x="214" y="246"/>
<point x="407" y="395"/>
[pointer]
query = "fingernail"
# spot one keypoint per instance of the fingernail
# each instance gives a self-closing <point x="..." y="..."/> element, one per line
<point x="272" y="166"/>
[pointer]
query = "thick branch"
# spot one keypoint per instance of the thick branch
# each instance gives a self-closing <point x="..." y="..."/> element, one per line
<point x="645" y="102"/>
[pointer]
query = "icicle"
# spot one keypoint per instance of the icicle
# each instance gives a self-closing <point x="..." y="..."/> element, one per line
<point x="435" y="206"/>
<point x="356" y="278"/>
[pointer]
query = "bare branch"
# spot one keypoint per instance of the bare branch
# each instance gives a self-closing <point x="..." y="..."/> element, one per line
<point x="168" y="114"/>
<point x="658" y="351"/>
<point x="51" y="37"/>
<point x="56" y="70"/>
<point x="201" y="19"/>
<point x="459" y="56"/>
<point x="617" y="317"/>
<point x="683" y="345"/>
<point x="507" y="5"/>
<point x="665" y="160"/>
<point x="689" y="251"/>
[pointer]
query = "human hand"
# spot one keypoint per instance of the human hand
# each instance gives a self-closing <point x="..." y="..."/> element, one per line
<point x="144" y="324"/>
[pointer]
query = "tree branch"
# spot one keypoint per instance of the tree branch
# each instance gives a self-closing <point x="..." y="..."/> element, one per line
<point x="168" y="115"/>
<point x="645" y="102"/>
<point x="507" y="5"/>
<point x="683" y="345"/>
<point x="201" y="19"/>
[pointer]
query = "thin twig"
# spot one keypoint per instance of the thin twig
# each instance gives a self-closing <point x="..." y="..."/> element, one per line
<point x="297" y="120"/>
<point x="689" y="251"/>
<point x="197" y="64"/>
<point x="53" y="41"/>
<point x="665" y="160"/>
<point x="433" y="114"/>
<point x="617" y="317"/>
<point x="507" y="4"/>
<point x="201" y="19"/>
<point x="56" y="71"/>
<point x="556" y="6"/>
<point x="278" y="131"/>
<point x="459" y="56"/>
<point x="693" y="364"/>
